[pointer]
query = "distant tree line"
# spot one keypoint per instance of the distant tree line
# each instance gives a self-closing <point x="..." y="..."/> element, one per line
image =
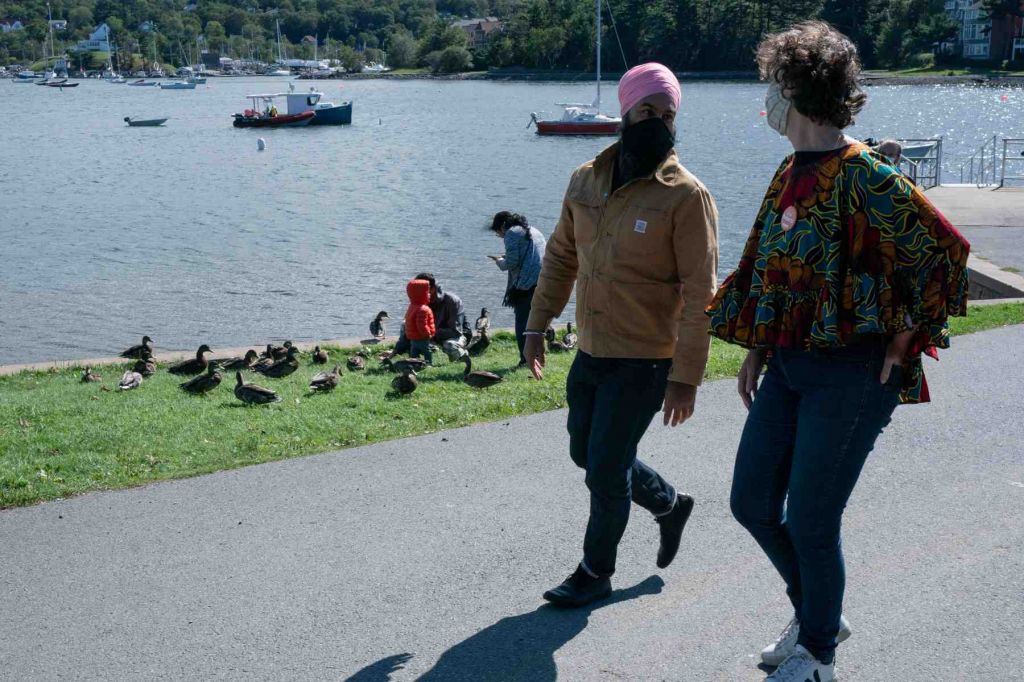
<point x="541" y="34"/>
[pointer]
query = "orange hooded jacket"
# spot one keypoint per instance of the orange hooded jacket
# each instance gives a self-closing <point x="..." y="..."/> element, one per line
<point x="419" y="318"/>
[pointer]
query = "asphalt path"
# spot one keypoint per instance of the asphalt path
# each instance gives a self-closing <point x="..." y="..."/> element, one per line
<point x="425" y="559"/>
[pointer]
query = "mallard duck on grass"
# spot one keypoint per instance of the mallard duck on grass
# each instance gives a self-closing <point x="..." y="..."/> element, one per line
<point x="136" y="351"/>
<point x="478" y="344"/>
<point x="283" y="367"/>
<point x="196" y="365"/>
<point x="266" y="359"/>
<point x="478" y="379"/>
<point x="569" y="340"/>
<point x="483" y="323"/>
<point x="356" y="363"/>
<point x="554" y="345"/>
<point x="377" y="328"/>
<point x="319" y="356"/>
<point x="325" y="381"/>
<point x="203" y="383"/>
<point x="88" y="376"/>
<point x="146" y="365"/>
<point x="405" y="383"/>
<point x="407" y="364"/>
<point x="234" y="364"/>
<point x="130" y="380"/>
<point x="251" y="394"/>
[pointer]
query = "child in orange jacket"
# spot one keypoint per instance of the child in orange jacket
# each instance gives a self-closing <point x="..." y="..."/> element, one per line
<point x="419" y="320"/>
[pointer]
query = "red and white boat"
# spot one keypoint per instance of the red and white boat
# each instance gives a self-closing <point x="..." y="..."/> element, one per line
<point x="582" y="119"/>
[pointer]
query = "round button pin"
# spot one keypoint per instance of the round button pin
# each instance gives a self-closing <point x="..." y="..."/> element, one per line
<point x="789" y="218"/>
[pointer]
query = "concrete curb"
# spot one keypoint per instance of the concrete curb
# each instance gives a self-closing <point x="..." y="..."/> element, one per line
<point x="990" y="282"/>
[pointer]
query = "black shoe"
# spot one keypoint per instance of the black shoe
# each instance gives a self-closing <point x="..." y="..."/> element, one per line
<point x="672" y="525"/>
<point x="579" y="589"/>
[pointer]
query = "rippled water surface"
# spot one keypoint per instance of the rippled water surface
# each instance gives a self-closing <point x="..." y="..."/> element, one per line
<point x="189" y="234"/>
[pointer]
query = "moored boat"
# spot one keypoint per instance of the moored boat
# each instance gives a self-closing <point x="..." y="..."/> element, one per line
<point x="582" y="119"/>
<point x="326" y="113"/>
<point x="60" y="83"/>
<point x="142" y="83"/>
<point x="178" y="85"/>
<point x="267" y="116"/>
<point x="144" y="123"/>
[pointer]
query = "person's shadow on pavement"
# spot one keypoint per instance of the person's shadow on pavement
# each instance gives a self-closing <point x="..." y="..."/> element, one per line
<point x="518" y="647"/>
<point x="381" y="670"/>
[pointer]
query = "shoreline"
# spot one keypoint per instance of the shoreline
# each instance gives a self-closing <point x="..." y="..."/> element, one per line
<point x="526" y="76"/>
<point x="305" y="346"/>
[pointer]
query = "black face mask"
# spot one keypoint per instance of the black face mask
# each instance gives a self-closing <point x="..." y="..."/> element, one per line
<point x="644" y="146"/>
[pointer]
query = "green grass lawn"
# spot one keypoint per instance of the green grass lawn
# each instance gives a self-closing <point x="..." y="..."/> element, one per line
<point x="60" y="437"/>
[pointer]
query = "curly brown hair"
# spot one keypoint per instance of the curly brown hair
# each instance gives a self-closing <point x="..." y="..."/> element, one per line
<point x="817" y="67"/>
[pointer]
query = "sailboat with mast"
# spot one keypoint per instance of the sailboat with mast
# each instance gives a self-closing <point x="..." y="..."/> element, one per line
<point x="582" y="119"/>
<point x="281" y="70"/>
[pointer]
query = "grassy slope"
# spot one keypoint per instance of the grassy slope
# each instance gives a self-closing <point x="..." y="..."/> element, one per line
<point x="59" y="437"/>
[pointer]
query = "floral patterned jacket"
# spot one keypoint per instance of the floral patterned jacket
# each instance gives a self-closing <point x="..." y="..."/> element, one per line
<point x="844" y="247"/>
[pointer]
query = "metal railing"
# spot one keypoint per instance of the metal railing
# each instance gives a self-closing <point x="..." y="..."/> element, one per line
<point x="1013" y="153"/>
<point x="922" y="160"/>
<point x="982" y="167"/>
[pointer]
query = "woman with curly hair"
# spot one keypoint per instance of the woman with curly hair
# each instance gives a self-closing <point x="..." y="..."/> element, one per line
<point x="848" y="276"/>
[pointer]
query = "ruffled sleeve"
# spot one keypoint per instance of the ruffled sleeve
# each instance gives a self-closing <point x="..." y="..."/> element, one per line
<point x="921" y="254"/>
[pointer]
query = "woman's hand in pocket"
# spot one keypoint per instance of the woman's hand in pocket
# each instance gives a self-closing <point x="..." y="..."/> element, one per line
<point x="750" y="372"/>
<point x="896" y="353"/>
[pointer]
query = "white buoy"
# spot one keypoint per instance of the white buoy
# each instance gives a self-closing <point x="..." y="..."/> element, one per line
<point x="261" y="144"/>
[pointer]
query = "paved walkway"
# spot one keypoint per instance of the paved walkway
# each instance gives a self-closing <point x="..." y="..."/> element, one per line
<point x="426" y="558"/>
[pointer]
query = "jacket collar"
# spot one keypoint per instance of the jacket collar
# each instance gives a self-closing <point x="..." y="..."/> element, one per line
<point x="668" y="173"/>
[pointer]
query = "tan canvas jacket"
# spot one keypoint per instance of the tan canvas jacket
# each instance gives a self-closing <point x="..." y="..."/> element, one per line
<point x="644" y="262"/>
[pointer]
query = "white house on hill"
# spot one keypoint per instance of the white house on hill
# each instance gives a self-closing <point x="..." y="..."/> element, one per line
<point x="99" y="40"/>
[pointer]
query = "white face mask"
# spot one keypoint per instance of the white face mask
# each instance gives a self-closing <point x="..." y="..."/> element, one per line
<point x="777" y="107"/>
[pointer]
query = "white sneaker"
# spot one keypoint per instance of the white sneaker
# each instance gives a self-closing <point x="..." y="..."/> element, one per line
<point x="785" y="646"/>
<point x="803" y="667"/>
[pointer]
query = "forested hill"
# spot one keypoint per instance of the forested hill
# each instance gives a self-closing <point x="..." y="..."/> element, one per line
<point x="546" y="34"/>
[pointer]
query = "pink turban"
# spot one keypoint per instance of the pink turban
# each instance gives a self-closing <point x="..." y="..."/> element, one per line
<point x="646" y="80"/>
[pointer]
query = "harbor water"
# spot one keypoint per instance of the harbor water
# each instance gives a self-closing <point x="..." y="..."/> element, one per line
<point x="189" y="234"/>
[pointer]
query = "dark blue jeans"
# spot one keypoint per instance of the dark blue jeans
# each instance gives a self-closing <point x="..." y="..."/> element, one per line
<point x="611" y="404"/>
<point x="815" y="420"/>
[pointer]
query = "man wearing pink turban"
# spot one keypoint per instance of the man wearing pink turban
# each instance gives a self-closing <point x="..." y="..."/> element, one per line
<point x="638" y="239"/>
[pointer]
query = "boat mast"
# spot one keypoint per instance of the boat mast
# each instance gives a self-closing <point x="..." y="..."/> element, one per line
<point x="597" y="28"/>
<point x="280" y="55"/>
<point x="53" y="51"/>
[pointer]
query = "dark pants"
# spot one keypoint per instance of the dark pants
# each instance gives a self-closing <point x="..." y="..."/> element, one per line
<point x="815" y="419"/>
<point x="418" y="348"/>
<point x="522" y="310"/>
<point x="611" y="404"/>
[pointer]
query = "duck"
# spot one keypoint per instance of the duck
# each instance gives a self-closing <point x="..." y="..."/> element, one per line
<point x="251" y="394"/>
<point x="203" y="383"/>
<point x="413" y="364"/>
<point x="377" y="328"/>
<point x="233" y="364"/>
<point x="283" y="367"/>
<point x="146" y="365"/>
<point x="483" y="323"/>
<point x="356" y="363"/>
<point x="130" y="380"/>
<point x="405" y="383"/>
<point x="88" y="376"/>
<point x="196" y="365"/>
<point x="279" y="352"/>
<point x="325" y="381"/>
<point x="136" y="351"/>
<point x="570" y="339"/>
<point x="554" y="345"/>
<point x="478" y="344"/>
<point x="319" y="356"/>
<point x="266" y="359"/>
<point x="478" y="379"/>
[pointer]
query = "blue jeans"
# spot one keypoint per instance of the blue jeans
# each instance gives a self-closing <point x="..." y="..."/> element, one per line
<point x="418" y="348"/>
<point x="611" y="404"/>
<point x="815" y="420"/>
